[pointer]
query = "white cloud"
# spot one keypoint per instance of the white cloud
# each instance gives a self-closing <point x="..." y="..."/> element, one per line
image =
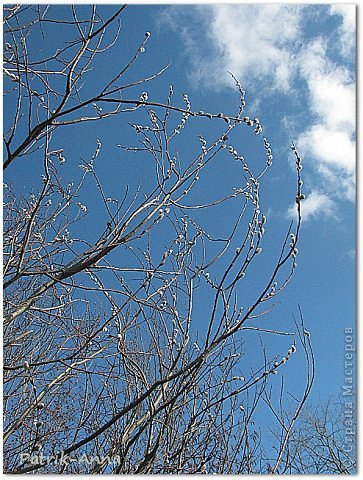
<point x="328" y="145"/>
<point x="329" y="142"/>
<point x="317" y="204"/>
<point x="253" y="41"/>
<point x="348" y="27"/>
<point x="331" y="87"/>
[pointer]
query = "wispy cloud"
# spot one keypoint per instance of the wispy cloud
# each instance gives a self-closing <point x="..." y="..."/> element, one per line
<point x="331" y="87"/>
<point x="317" y="204"/>
<point x="255" y="42"/>
<point x="351" y="254"/>
<point x="347" y="29"/>
<point x="329" y="142"/>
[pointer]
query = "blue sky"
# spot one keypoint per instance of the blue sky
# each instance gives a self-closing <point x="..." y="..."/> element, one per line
<point x="297" y="65"/>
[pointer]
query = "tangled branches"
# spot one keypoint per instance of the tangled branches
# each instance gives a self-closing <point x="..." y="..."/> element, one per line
<point x="125" y="337"/>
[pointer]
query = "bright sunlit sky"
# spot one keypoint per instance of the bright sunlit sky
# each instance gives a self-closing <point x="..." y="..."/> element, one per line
<point x="297" y="65"/>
